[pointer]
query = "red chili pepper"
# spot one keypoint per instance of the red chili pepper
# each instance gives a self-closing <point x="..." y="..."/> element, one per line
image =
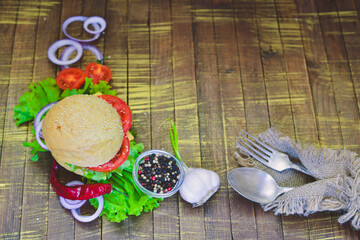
<point x="78" y="192"/>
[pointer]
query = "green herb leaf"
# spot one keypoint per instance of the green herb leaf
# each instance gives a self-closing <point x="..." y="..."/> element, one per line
<point x="174" y="139"/>
<point x="102" y="87"/>
<point x="100" y="61"/>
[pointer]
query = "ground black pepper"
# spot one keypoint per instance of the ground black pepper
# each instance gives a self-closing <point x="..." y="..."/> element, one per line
<point x="158" y="173"/>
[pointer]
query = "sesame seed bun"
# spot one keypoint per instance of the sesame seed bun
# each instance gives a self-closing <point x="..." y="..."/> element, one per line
<point x="83" y="130"/>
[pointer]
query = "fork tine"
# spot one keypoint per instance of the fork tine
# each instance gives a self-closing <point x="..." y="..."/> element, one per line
<point x="259" y="148"/>
<point x="254" y="149"/>
<point x="250" y="153"/>
<point x="268" y="148"/>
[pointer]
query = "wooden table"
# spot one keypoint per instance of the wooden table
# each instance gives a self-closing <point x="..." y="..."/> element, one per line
<point x="214" y="67"/>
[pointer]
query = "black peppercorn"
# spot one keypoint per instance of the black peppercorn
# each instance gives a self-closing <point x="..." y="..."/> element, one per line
<point x="159" y="174"/>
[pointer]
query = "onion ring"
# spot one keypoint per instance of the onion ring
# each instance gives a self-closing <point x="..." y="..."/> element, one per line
<point x="66" y="53"/>
<point x="37" y="135"/>
<point x="81" y="218"/>
<point x="72" y="204"/>
<point x="70" y="20"/>
<point x="40" y="114"/>
<point x="95" y="20"/>
<point x="60" y="43"/>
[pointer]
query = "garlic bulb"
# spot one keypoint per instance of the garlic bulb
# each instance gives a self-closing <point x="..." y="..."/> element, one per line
<point x="199" y="185"/>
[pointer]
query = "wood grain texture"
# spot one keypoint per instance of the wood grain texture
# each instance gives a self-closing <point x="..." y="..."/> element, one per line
<point x="35" y="210"/>
<point x="6" y="48"/>
<point x="166" y="220"/>
<point x="255" y="106"/>
<point x="324" y="100"/>
<point x="305" y="128"/>
<point x="342" y="84"/>
<point x="276" y="85"/>
<point x="13" y="155"/>
<point x="192" y="224"/>
<point x="231" y="97"/>
<point x="216" y="212"/>
<point x="139" y="90"/>
<point x="214" y="67"/>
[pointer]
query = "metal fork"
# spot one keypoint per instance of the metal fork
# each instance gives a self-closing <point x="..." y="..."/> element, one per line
<point x="267" y="155"/>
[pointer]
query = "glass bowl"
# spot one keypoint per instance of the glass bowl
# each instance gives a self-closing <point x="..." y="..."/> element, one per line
<point x="174" y="189"/>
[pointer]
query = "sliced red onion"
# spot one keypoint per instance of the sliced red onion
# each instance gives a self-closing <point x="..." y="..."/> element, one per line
<point x="58" y="44"/>
<point x="95" y="20"/>
<point x="81" y="218"/>
<point x="72" y="204"/>
<point x="66" y="53"/>
<point x="40" y="114"/>
<point x="70" y="20"/>
<point x="37" y="135"/>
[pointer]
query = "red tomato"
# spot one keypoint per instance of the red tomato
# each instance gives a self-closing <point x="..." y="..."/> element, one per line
<point x="122" y="108"/>
<point x="98" y="72"/>
<point x="72" y="78"/>
<point x="119" y="158"/>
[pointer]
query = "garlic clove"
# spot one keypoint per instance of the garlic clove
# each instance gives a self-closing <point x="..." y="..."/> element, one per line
<point x="199" y="185"/>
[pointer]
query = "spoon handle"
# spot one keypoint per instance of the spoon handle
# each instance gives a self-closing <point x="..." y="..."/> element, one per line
<point x="282" y="190"/>
<point x="300" y="168"/>
<point x="286" y="189"/>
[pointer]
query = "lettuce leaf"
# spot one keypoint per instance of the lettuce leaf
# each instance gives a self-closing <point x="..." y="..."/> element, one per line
<point x="35" y="149"/>
<point x="90" y="88"/>
<point x="31" y="102"/>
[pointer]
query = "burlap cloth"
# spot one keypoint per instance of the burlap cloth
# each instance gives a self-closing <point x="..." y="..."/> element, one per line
<point x="334" y="185"/>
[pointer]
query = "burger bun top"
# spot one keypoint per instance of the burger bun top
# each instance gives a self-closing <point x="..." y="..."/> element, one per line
<point x="83" y="130"/>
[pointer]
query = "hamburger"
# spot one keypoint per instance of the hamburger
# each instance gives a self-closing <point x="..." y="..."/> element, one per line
<point x="85" y="135"/>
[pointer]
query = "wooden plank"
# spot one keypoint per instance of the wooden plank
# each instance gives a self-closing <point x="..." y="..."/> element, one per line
<point x="301" y="97"/>
<point x="349" y="20"/>
<point x="232" y="103"/>
<point x="13" y="154"/>
<point x="7" y="32"/>
<point x="324" y="103"/>
<point x="255" y="105"/>
<point x="217" y="214"/>
<point x="344" y="91"/>
<point x="340" y="73"/>
<point x="61" y="223"/>
<point x="186" y="110"/>
<point x="279" y="103"/>
<point x="350" y="26"/>
<point x="36" y="181"/>
<point x="319" y="76"/>
<point x="166" y="218"/>
<point x="116" y="49"/>
<point x="139" y="95"/>
<point x="348" y="12"/>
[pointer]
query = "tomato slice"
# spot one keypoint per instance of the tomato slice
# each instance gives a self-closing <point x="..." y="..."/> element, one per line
<point x="72" y="78"/>
<point x="119" y="158"/>
<point x="122" y="108"/>
<point x="98" y="72"/>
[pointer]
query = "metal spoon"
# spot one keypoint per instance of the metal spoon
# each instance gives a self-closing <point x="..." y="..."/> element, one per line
<point x="255" y="185"/>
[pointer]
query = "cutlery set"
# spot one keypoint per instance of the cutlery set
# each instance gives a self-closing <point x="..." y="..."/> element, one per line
<point x="255" y="184"/>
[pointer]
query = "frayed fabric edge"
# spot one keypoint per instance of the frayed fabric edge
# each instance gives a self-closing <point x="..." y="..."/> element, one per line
<point x="289" y="206"/>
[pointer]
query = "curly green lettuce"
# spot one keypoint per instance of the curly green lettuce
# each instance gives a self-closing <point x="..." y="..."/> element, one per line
<point x="39" y="95"/>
